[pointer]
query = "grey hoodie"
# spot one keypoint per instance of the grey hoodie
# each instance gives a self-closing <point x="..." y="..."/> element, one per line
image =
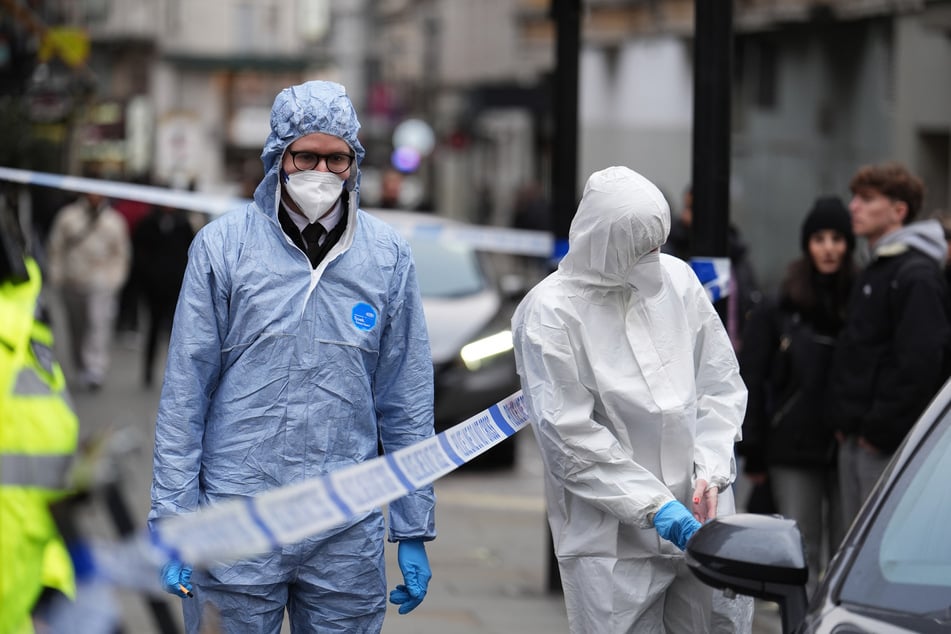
<point x="926" y="236"/>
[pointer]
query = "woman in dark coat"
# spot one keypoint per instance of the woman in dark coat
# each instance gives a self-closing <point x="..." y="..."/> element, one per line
<point x="785" y="361"/>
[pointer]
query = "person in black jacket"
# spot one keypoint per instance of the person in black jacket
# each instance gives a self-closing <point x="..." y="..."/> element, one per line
<point x="744" y="292"/>
<point x="160" y="247"/>
<point x="785" y="365"/>
<point x="891" y="356"/>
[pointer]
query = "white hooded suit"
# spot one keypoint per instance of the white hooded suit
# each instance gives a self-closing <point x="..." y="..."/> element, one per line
<point x="634" y="393"/>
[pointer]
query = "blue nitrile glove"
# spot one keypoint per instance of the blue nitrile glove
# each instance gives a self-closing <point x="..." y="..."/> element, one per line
<point x="416" y="575"/>
<point x="84" y="562"/>
<point x="174" y="576"/>
<point x="675" y="523"/>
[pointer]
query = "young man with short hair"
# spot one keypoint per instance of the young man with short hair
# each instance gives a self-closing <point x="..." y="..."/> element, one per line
<point x="890" y="357"/>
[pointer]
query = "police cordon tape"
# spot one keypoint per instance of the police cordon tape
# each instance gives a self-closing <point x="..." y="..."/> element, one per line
<point x="192" y="201"/>
<point x="714" y="274"/>
<point x="411" y="225"/>
<point x="243" y="527"/>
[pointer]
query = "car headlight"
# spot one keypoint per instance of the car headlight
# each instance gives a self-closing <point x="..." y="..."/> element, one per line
<point x="476" y="353"/>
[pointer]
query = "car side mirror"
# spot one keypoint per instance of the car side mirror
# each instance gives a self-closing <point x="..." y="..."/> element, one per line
<point x="760" y="556"/>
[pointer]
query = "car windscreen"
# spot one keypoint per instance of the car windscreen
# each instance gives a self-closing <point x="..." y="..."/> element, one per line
<point x="446" y="269"/>
<point x="904" y="564"/>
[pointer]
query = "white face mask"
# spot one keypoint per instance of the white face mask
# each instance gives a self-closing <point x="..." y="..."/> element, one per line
<point x="314" y="192"/>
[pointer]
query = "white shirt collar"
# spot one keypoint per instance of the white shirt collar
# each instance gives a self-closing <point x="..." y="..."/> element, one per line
<point x="329" y="220"/>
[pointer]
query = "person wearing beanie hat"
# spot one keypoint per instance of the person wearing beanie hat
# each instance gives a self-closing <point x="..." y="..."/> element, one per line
<point x="828" y="212"/>
<point x="785" y="364"/>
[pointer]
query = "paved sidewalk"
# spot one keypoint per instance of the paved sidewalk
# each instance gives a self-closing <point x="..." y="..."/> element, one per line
<point x="489" y="561"/>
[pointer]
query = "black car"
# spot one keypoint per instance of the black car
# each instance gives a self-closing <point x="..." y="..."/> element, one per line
<point x="892" y="572"/>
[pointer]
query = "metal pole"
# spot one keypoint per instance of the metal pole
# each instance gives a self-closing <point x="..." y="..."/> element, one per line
<point x="567" y="16"/>
<point x="713" y="35"/>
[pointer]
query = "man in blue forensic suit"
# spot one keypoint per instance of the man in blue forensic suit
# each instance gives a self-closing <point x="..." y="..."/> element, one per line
<point x="299" y="346"/>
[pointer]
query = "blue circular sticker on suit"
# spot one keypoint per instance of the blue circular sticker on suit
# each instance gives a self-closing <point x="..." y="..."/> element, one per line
<point x="363" y="315"/>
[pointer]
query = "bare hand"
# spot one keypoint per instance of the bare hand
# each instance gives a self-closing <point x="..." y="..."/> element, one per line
<point x="704" y="501"/>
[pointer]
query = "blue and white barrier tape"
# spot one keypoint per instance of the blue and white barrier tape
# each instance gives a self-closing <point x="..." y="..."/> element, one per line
<point x="192" y="201"/>
<point x="714" y="274"/>
<point x="496" y="239"/>
<point x="244" y="527"/>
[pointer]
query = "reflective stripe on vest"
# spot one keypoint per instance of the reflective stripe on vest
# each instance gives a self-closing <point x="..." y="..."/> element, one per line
<point x="29" y="383"/>
<point x="47" y="471"/>
<point x="44" y="355"/>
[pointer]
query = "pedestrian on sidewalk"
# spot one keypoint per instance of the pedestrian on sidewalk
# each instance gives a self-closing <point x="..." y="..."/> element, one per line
<point x="744" y="291"/>
<point x="89" y="259"/>
<point x="127" y="318"/>
<point x="160" y="247"/>
<point x="787" y="443"/>
<point x="635" y="398"/>
<point x="892" y="355"/>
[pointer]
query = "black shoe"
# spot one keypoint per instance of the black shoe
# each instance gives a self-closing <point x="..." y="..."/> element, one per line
<point x="89" y="383"/>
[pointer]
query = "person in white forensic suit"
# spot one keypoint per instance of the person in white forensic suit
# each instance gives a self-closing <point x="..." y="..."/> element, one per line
<point x="636" y="401"/>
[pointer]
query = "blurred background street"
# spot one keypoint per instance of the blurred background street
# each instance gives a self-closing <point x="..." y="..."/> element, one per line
<point x="459" y="101"/>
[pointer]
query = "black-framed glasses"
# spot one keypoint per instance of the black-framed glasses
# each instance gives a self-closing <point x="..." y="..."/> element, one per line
<point x="338" y="162"/>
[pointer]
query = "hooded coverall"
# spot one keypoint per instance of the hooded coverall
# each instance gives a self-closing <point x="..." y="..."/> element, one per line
<point x="634" y="394"/>
<point x="279" y="372"/>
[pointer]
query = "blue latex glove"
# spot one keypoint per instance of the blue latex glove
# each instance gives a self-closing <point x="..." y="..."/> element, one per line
<point x="414" y="564"/>
<point x="675" y="523"/>
<point x="176" y="579"/>
<point x="84" y="562"/>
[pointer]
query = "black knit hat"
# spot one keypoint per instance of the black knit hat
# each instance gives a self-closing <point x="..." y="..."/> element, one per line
<point x="828" y="212"/>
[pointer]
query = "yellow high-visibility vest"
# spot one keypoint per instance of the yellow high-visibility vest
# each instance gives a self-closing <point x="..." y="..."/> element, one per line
<point x="38" y="436"/>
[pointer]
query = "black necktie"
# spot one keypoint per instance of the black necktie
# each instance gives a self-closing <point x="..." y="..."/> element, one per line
<point x="311" y="235"/>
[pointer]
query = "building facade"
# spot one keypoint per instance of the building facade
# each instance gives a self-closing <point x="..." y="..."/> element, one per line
<point x="183" y="90"/>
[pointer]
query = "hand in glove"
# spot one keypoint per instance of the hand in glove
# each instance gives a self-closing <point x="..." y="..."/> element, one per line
<point x="675" y="523"/>
<point x="416" y="575"/>
<point x="176" y="579"/>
